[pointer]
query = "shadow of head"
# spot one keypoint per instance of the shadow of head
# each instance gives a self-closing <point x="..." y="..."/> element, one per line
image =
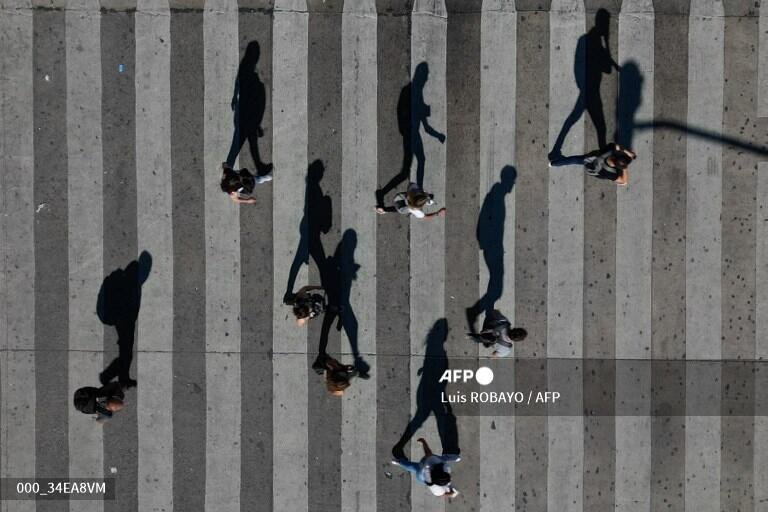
<point x="145" y="267"/>
<point x="602" y="22"/>
<point x="251" y="57"/>
<point x="436" y="338"/>
<point x="508" y="177"/>
<point x="420" y="75"/>
<point x="315" y="172"/>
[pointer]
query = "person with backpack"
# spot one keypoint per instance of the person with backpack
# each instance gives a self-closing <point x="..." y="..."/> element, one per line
<point x="239" y="185"/>
<point x="306" y="305"/>
<point x="103" y="401"/>
<point x="611" y="164"/>
<point x="498" y="333"/>
<point x="432" y="470"/>
<point x="412" y="202"/>
<point x="337" y="375"/>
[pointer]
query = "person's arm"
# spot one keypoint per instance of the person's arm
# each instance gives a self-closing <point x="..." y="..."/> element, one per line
<point x="432" y="132"/>
<point x="385" y="209"/>
<point x="439" y="213"/>
<point x="631" y="154"/>
<point x="425" y="446"/>
<point x="237" y="199"/>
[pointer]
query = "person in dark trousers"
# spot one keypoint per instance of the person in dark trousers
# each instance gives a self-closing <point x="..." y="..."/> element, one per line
<point x="337" y="376"/>
<point x="498" y="333"/>
<point x="248" y="104"/>
<point x="611" y="164"/>
<point x="412" y="202"/>
<point x="239" y="185"/>
<point x="432" y="470"/>
<point x="593" y="52"/>
<point x="412" y="114"/>
<point x="118" y="304"/>
<point x="103" y="401"/>
<point x="337" y="275"/>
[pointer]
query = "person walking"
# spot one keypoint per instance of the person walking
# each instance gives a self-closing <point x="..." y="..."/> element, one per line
<point x="306" y="305"/>
<point x="103" y="401"/>
<point x="498" y="333"/>
<point x="337" y="376"/>
<point x="239" y="185"/>
<point x="432" y="470"/>
<point x="611" y="164"/>
<point x="412" y="202"/>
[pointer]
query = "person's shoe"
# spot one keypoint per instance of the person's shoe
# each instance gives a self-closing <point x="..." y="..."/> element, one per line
<point x="264" y="169"/>
<point x="398" y="453"/>
<point x="554" y="156"/>
<point x="471" y="317"/>
<point x="318" y="366"/>
<point x="103" y="379"/>
<point x="127" y="384"/>
<point x="263" y="179"/>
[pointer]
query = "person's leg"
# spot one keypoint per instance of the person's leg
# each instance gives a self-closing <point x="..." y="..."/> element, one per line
<point x="563" y="161"/>
<point x="238" y="139"/>
<point x="418" y="152"/>
<point x="422" y="413"/>
<point x="578" y="110"/>
<point x="126" y="337"/>
<point x="253" y="142"/>
<point x="595" y="110"/>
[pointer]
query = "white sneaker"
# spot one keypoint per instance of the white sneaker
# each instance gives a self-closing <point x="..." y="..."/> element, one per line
<point x="264" y="179"/>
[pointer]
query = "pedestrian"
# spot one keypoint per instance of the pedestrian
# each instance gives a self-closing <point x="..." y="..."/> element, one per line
<point x="239" y="185"/>
<point x="498" y="333"/>
<point x="611" y="164"/>
<point x="337" y="375"/>
<point x="412" y="202"/>
<point x="103" y="401"/>
<point x="306" y="305"/>
<point x="432" y="470"/>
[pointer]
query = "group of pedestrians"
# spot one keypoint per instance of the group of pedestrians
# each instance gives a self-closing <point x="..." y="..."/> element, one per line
<point x="610" y="162"/>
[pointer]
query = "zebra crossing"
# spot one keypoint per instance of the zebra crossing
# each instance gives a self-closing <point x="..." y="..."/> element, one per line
<point x="116" y="116"/>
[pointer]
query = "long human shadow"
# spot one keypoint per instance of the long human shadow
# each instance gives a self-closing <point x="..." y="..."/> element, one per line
<point x="490" y="237"/>
<point x="118" y="305"/>
<point x="592" y="60"/>
<point x="429" y="395"/>
<point x="338" y="273"/>
<point x="629" y="100"/>
<point x="248" y="104"/>
<point x="412" y="113"/>
<point x="317" y="220"/>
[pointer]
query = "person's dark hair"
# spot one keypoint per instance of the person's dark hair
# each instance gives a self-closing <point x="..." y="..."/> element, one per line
<point x="621" y="160"/>
<point x="301" y="310"/>
<point x="439" y="475"/>
<point x="417" y="198"/>
<point x="230" y="181"/>
<point x="517" y="334"/>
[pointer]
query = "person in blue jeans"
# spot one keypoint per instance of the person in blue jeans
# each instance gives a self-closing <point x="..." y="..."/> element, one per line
<point x="432" y="470"/>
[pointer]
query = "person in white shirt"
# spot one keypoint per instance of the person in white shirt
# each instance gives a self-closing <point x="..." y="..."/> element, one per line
<point x="412" y="202"/>
<point x="432" y="470"/>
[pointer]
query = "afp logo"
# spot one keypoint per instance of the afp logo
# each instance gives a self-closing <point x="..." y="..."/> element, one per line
<point x="483" y="375"/>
